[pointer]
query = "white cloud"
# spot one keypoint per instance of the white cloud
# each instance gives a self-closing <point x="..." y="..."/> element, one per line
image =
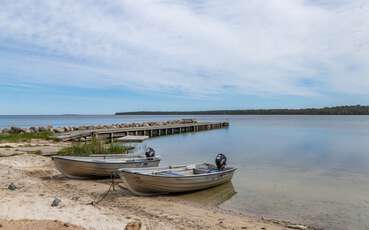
<point x="198" y="47"/>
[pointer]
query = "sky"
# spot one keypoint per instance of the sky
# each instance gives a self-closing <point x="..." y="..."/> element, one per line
<point x="101" y="57"/>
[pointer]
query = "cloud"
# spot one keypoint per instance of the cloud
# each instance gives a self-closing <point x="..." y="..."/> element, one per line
<point x="257" y="47"/>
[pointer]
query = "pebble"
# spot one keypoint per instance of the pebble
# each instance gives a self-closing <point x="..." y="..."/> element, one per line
<point x="134" y="225"/>
<point x="294" y="226"/>
<point x="12" y="187"/>
<point x="55" y="202"/>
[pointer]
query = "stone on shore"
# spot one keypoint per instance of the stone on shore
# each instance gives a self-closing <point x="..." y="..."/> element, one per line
<point x="12" y="186"/>
<point x="134" y="225"/>
<point x="55" y="202"/>
<point x="5" y="130"/>
<point x="58" y="130"/>
<point x="33" y="129"/>
<point x="42" y="129"/>
<point x="16" y="130"/>
<point x="296" y="226"/>
<point x="27" y="130"/>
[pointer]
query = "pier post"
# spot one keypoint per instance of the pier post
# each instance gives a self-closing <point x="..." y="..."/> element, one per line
<point x="94" y="135"/>
<point x="111" y="137"/>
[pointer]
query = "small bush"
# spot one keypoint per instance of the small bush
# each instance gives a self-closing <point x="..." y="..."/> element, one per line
<point x="93" y="147"/>
<point x="22" y="137"/>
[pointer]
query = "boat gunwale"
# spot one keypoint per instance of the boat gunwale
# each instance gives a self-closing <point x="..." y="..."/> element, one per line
<point x="106" y="162"/>
<point x="126" y="170"/>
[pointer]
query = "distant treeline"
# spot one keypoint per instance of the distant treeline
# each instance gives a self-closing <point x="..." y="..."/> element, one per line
<point x="338" y="110"/>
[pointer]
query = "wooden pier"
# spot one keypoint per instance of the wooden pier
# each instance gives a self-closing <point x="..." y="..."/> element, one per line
<point x="151" y="131"/>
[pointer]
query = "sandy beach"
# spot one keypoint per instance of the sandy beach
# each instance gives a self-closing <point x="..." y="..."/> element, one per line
<point x="38" y="183"/>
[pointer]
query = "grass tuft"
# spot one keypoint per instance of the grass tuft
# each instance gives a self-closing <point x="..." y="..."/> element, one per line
<point x="93" y="147"/>
<point x="24" y="137"/>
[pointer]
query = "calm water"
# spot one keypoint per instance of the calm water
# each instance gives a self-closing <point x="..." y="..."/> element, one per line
<point x="306" y="169"/>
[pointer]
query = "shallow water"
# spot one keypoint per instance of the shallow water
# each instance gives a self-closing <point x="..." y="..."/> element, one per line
<point x="306" y="169"/>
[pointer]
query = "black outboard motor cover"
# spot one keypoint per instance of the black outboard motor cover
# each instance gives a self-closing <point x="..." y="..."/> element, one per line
<point x="221" y="161"/>
<point x="150" y="152"/>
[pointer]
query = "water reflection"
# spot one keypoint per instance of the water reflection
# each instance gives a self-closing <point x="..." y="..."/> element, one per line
<point x="210" y="197"/>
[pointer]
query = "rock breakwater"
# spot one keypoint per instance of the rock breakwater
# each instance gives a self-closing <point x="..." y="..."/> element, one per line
<point x="64" y="129"/>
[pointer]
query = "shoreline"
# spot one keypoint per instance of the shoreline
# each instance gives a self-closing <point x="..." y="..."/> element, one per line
<point x="38" y="183"/>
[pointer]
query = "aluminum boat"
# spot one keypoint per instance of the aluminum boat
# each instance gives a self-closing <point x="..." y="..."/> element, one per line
<point x="100" y="166"/>
<point x="174" y="179"/>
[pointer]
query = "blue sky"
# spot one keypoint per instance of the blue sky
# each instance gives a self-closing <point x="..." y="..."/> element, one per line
<point x="100" y="57"/>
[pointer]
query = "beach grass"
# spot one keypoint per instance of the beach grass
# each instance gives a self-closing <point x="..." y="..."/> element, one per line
<point x="93" y="147"/>
<point x="25" y="137"/>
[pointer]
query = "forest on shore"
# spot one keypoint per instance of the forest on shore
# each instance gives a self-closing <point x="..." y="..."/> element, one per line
<point x="337" y="110"/>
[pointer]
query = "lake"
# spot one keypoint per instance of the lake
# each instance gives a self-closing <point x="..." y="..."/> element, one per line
<point x="306" y="169"/>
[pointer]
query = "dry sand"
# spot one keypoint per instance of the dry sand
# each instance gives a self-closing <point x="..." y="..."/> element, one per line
<point x="36" y="225"/>
<point x="38" y="183"/>
<point x="43" y="147"/>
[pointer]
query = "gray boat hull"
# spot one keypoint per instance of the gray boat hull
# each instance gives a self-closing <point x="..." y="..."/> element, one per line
<point x="91" y="167"/>
<point x="142" y="184"/>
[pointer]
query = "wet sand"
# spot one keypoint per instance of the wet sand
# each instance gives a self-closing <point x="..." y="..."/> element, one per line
<point x="38" y="183"/>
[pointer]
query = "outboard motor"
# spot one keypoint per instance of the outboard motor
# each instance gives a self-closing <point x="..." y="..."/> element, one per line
<point x="150" y="152"/>
<point x="221" y="161"/>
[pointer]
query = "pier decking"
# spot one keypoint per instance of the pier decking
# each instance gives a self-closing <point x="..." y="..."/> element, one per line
<point x="150" y="131"/>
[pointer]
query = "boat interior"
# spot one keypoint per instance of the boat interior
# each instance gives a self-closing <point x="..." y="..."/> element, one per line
<point x="108" y="159"/>
<point x="189" y="170"/>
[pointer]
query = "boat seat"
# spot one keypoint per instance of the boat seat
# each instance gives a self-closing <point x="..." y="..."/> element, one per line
<point x="169" y="173"/>
<point x="204" y="171"/>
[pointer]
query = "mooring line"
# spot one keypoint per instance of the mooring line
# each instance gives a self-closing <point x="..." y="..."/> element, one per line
<point x="112" y="185"/>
